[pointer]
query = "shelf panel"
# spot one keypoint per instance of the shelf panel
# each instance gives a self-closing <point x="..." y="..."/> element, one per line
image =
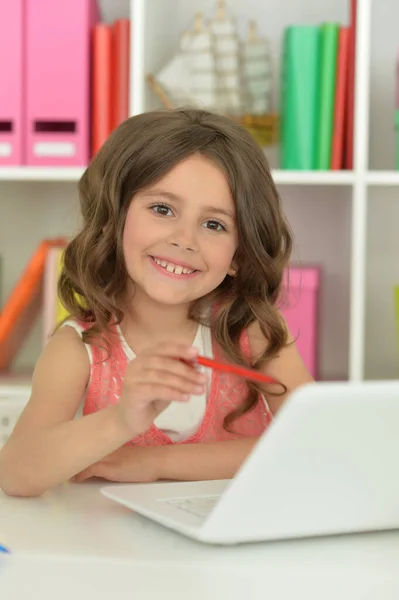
<point x="41" y="173"/>
<point x="386" y="178"/>
<point x="282" y="177"/>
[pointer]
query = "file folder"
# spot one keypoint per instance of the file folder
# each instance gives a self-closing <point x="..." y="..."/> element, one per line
<point x="58" y="81"/>
<point x="11" y="82"/>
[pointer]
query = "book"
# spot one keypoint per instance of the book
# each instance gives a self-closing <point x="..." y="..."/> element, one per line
<point x="328" y="70"/>
<point x="23" y="305"/>
<point x="351" y="88"/>
<point x="300" y="97"/>
<point x="340" y="105"/>
<point x="101" y="85"/>
<point x="120" y="72"/>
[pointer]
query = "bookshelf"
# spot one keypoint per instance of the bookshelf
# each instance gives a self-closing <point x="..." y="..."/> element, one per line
<point x="283" y="177"/>
<point x="74" y="173"/>
<point x="332" y="213"/>
<point x="280" y="176"/>
<point x="40" y="173"/>
<point x="383" y="178"/>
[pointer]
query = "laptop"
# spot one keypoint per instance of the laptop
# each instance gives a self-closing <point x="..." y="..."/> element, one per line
<point x="328" y="464"/>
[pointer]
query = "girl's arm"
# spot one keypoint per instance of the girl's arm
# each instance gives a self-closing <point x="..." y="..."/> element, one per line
<point x="180" y="462"/>
<point x="206" y="461"/>
<point x="48" y="446"/>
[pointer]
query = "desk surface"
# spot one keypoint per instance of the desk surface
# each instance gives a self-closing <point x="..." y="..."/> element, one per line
<point x="74" y="540"/>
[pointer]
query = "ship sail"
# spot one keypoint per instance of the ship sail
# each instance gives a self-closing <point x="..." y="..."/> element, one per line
<point x="228" y="64"/>
<point x="257" y="72"/>
<point x="190" y="77"/>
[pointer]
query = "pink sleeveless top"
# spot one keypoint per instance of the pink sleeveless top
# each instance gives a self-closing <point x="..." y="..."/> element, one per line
<point x="227" y="392"/>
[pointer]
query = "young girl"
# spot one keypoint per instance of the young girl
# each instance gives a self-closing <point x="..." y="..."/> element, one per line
<point x="181" y="252"/>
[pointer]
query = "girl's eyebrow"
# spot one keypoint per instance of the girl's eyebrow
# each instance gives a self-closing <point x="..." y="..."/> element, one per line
<point x="165" y="194"/>
<point x="171" y="196"/>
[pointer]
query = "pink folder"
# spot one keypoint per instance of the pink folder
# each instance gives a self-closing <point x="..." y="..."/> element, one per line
<point x="300" y="308"/>
<point x="58" y="81"/>
<point x="11" y="81"/>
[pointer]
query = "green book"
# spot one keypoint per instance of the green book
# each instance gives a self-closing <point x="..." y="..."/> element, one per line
<point x="299" y="97"/>
<point x="328" y="72"/>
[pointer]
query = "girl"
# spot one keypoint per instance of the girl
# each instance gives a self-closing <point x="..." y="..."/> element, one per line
<point x="182" y="250"/>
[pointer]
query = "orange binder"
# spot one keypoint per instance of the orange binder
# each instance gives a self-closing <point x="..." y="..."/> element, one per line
<point x="337" y="148"/>
<point x="101" y="85"/>
<point x="120" y="72"/>
<point x="24" y="304"/>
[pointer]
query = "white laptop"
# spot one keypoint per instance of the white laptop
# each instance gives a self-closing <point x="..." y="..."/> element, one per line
<point x="328" y="464"/>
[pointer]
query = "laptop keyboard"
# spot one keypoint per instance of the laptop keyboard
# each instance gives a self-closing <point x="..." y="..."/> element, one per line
<point x="200" y="506"/>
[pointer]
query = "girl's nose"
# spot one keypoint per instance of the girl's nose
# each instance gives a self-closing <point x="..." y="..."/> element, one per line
<point x="184" y="240"/>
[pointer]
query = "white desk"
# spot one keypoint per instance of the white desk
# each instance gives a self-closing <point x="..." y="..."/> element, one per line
<point x="75" y="543"/>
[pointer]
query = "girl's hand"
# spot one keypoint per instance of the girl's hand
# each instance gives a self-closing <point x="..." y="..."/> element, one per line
<point x="129" y="464"/>
<point x="153" y="380"/>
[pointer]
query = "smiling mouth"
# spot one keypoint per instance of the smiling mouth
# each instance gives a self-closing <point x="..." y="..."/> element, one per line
<point x="172" y="267"/>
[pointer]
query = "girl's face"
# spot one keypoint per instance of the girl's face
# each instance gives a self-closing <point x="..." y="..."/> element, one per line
<point x="180" y="234"/>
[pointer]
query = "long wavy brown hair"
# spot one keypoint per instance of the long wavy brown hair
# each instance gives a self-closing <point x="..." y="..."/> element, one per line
<point x="137" y="154"/>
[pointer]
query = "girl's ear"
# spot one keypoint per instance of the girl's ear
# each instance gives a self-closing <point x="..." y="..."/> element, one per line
<point x="232" y="271"/>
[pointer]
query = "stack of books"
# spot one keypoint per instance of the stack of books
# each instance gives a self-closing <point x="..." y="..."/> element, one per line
<point x="110" y="79"/>
<point x="317" y="92"/>
<point x="64" y="81"/>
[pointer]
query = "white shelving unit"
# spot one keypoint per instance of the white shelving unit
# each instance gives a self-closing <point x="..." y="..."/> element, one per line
<point x="384" y="178"/>
<point x="338" y="199"/>
<point x="40" y="173"/>
<point x="282" y="177"/>
<point x="358" y="180"/>
<point x="74" y="174"/>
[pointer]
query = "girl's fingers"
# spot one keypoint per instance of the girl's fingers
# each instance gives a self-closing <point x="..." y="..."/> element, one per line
<point x="159" y="391"/>
<point x="172" y="363"/>
<point x="86" y="474"/>
<point x="171" y="380"/>
<point x="177" y="367"/>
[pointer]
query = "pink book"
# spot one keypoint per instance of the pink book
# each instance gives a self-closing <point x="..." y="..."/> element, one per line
<point x="11" y="81"/>
<point x="300" y="308"/>
<point x="58" y="81"/>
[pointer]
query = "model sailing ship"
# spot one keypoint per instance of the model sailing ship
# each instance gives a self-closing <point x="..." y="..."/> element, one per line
<point x="214" y="69"/>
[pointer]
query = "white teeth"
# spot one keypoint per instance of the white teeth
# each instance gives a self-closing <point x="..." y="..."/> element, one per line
<point x="171" y="268"/>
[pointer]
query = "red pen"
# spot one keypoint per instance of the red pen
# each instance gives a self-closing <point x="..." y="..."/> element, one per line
<point x="244" y="372"/>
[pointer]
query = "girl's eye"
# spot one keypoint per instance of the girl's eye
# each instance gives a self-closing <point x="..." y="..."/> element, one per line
<point x="161" y="210"/>
<point x="214" y="226"/>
